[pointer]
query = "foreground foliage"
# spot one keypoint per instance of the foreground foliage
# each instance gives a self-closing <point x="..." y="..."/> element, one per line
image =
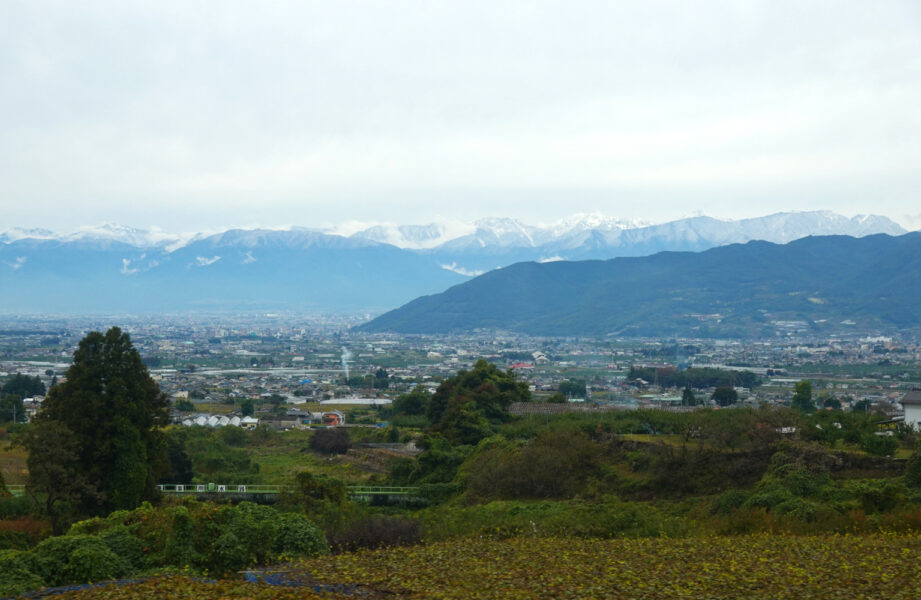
<point x="194" y="537"/>
<point x="755" y="567"/>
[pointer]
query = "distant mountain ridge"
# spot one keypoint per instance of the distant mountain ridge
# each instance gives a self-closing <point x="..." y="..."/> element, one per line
<point x="124" y="269"/>
<point x="237" y="270"/>
<point x="817" y="284"/>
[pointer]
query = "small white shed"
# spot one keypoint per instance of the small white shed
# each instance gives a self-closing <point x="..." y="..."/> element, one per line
<point x="911" y="402"/>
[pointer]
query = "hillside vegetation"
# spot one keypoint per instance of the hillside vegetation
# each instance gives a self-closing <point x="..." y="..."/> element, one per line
<point x="737" y="290"/>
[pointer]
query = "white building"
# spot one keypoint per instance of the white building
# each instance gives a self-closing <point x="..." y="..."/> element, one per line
<point x="911" y="402"/>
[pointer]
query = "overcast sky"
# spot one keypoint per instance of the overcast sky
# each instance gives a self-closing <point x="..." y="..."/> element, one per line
<point x="200" y="115"/>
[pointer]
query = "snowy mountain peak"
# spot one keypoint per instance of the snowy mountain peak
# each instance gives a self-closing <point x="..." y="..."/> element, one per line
<point x="504" y="231"/>
<point x="585" y="221"/>
<point x="20" y="233"/>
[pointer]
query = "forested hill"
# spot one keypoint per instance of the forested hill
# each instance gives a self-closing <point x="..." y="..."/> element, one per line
<point x="819" y="284"/>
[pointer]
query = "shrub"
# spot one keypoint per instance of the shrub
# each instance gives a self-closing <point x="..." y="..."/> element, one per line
<point x="298" y="536"/>
<point x="797" y="508"/>
<point x="93" y="561"/>
<point x="120" y="541"/>
<point x="769" y="498"/>
<point x="52" y="554"/>
<point x="179" y="549"/>
<point x="878" y="496"/>
<point x="228" y="553"/>
<point x="17" y="573"/>
<point x="728" y="502"/>
<point x="879" y="445"/>
<point x="555" y="464"/>
<point x="77" y="559"/>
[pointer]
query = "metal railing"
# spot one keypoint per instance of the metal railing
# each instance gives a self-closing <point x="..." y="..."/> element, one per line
<point x="214" y="488"/>
<point x="369" y="490"/>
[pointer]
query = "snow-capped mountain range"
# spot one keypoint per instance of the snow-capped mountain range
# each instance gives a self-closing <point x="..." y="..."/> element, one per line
<point x="352" y="267"/>
<point x="506" y="232"/>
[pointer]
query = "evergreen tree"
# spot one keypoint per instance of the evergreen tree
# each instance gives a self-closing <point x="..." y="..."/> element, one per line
<point x="247" y="408"/>
<point x="802" y="396"/>
<point x="114" y="410"/>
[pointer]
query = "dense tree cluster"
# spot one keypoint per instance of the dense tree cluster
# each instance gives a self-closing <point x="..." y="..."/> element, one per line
<point x="725" y="395"/>
<point x="12" y="392"/>
<point x="465" y="407"/>
<point x="23" y="386"/>
<point x="573" y="388"/>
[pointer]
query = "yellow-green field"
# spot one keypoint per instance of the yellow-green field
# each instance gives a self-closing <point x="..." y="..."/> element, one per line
<point x="13" y="463"/>
<point x="751" y="567"/>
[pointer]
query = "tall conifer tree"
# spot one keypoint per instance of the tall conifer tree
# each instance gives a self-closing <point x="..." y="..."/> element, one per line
<point x="114" y="410"/>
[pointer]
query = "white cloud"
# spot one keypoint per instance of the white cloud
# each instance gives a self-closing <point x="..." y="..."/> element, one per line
<point x="461" y="271"/>
<point x="248" y="258"/>
<point x="17" y="263"/>
<point x="127" y="269"/>
<point x="203" y="261"/>
<point x="551" y="259"/>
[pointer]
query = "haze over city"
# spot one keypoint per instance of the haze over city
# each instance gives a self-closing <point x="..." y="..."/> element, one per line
<point x="202" y="115"/>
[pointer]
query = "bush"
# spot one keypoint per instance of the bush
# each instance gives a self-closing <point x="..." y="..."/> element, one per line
<point x="769" y="497"/>
<point x="331" y="441"/>
<point x="728" y="502"/>
<point x="52" y="554"/>
<point x="555" y="464"/>
<point x="228" y="553"/>
<point x="179" y="549"/>
<point x="77" y="559"/>
<point x="298" y="536"/>
<point x="17" y="577"/>
<point x="120" y="541"/>
<point x="877" y="496"/>
<point x="379" y="531"/>
<point x="879" y="445"/>
<point x="93" y="561"/>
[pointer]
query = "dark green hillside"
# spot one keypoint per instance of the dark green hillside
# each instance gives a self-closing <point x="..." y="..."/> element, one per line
<point x="738" y="290"/>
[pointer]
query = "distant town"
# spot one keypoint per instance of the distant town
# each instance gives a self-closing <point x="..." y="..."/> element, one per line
<point x="287" y="372"/>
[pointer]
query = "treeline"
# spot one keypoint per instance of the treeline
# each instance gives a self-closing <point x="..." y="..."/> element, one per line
<point x="695" y="378"/>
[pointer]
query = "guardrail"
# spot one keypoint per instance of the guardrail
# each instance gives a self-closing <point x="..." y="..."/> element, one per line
<point x="217" y="488"/>
<point x="221" y="488"/>
<point x="367" y="490"/>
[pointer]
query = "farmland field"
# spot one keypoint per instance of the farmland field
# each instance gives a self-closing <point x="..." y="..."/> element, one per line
<point x="751" y="567"/>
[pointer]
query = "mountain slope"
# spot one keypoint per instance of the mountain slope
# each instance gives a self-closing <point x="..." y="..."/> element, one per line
<point x="758" y="288"/>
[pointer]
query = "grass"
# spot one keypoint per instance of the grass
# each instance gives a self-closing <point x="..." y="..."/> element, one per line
<point x="13" y="461"/>
<point x="285" y="453"/>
